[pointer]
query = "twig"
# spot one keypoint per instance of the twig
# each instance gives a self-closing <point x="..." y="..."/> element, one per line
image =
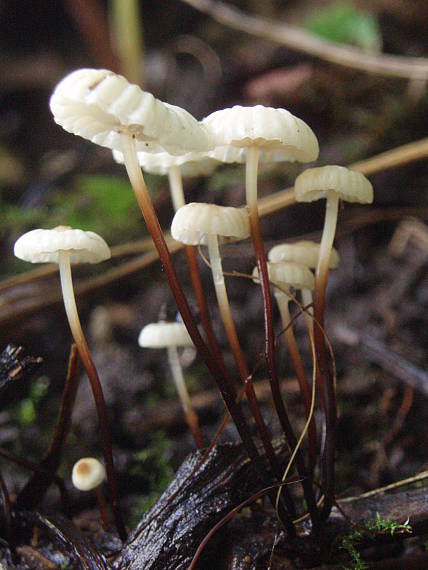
<point x="298" y="40"/>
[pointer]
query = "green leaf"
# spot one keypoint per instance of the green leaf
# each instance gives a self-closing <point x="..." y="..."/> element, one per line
<point x="344" y="23"/>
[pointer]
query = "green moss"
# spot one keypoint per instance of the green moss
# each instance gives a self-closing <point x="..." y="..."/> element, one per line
<point x="367" y="531"/>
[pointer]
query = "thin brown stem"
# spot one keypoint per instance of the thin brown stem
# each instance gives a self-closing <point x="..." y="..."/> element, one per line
<point x="33" y="491"/>
<point x="195" y="277"/>
<point x="224" y="382"/>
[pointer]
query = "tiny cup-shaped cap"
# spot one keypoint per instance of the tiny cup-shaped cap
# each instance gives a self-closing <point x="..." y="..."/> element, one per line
<point x="43" y="246"/>
<point x="289" y="275"/>
<point x="315" y="183"/>
<point x="303" y="252"/>
<point x="99" y="105"/>
<point x="268" y="128"/>
<point x="194" y="223"/>
<point x="191" y="164"/>
<point x="163" y="335"/>
<point x="88" y="473"/>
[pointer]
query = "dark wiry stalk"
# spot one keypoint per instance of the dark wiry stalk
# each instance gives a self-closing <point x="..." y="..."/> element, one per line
<point x="33" y="491"/>
<point x="251" y="192"/>
<point x="223" y="380"/>
<point x="195" y="277"/>
<point x="6" y="514"/>
<point x="326" y="382"/>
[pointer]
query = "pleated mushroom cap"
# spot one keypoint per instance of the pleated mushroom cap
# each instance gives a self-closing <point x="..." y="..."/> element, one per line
<point x="272" y="130"/>
<point x="301" y="252"/>
<point x="99" y="105"/>
<point x="191" y="164"/>
<point x="195" y="222"/>
<point x="315" y="183"/>
<point x="289" y="275"/>
<point x="88" y="473"/>
<point x="43" y="246"/>
<point x="164" y="334"/>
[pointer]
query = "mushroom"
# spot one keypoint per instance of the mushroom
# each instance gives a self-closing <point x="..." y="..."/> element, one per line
<point x="104" y="108"/>
<point x="332" y="183"/>
<point x="209" y="224"/>
<point x="64" y="246"/>
<point x="277" y="135"/>
<point x="306" y="253"/>
<point x="287" y="276"/>
<point x="87" y="475"/>
<point x="171" y="335"/>
<point x="177" y="167"/>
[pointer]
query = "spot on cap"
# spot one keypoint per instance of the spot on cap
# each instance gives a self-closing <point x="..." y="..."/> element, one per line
<point x="88" y="473"/>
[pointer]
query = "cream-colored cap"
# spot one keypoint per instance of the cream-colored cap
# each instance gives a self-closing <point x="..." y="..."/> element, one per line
<point x="315" y="183"/>
<point x="164" y="334"/>
<point x="43" y="246"/>
<point x="268" y="128"/>
<point x="99" y="105"/>
<point x="88" y="473"/>
<point x="289" y="275"/>
<point x="303" y="252"/>
<point x="195" y="222"/>
<point x="191" y="164"/>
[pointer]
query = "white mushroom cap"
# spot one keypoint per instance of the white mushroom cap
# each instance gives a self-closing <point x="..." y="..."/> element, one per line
<point x="99" y="105"/>
<point x="288" y="274"/>
<point x="43" y="246"/>
<point x="303" y="252"/>
<point x="268" y="128"/>
<point x="191" y="164"/>
<point x="88" y="473"/>
<point x="164" y="334"/>
<point x="194" y="222"/>
<point x="315" y="183"/>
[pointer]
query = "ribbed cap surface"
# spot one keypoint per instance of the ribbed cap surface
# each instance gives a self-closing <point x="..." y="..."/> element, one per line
<point x="98" y="105"/>
<point x="289" y="274"/>
<point x="315" y="183"/>
<point x="194" y="222"/>
<point x="270" y="129"/>
<point x="302" y="252"/>
<point x="164" y="334"/>
<point x="191" y="164"/>
<point x="43" y="246"/>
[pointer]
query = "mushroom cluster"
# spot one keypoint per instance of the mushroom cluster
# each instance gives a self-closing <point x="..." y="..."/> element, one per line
<point x="146" y="134"/>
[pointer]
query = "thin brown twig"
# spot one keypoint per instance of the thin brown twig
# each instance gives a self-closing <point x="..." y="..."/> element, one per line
<point x="299" y="40"/>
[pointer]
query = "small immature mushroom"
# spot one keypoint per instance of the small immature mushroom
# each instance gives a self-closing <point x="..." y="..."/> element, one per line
<point x="332" y="183"/>
<point x="87" y="475"/>
<point x="304" y="253"/>
<point x="64" y="246"/>
<point x="171" y="335"/>
<point x="286" y="276"/>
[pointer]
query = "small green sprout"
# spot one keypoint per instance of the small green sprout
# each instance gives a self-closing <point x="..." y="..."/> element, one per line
<point x="367" y="531"/>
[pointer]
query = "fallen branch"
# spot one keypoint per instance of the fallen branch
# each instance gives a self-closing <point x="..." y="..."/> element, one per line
<point x="298" y="40"/>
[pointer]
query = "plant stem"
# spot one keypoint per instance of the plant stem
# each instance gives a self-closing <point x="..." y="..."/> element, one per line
<point x="97" y="391"/>
<point x="183" y="394"/>
<point x="238" y="355"/>
<point x="33" y="491"/>
<point x="328" y="396"/>
<point x="296" y="359"/>
<point x="222" y="379"/>
<point x="178" y="200"/>
<point x="251" y="195"/>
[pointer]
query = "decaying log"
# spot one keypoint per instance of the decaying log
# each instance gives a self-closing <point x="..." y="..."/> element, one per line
<point x="169" y="534"/>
